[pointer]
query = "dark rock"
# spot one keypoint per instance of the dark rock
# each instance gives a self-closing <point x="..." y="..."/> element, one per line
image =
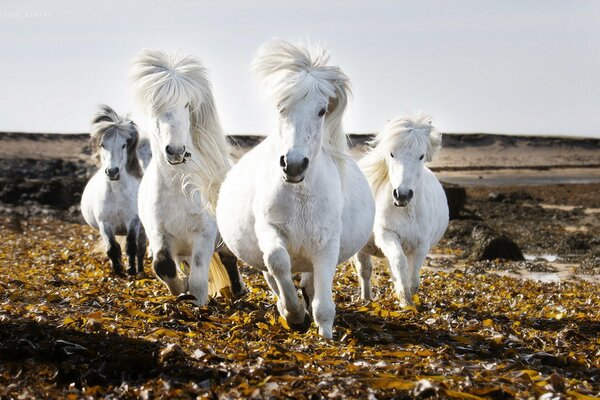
<point x="487" y="244"/>
<point x="456" y="197"/>
<point x="497" y="197"/>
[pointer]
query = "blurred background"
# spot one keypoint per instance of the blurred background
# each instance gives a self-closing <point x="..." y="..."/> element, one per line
<point x="515" y="67"/>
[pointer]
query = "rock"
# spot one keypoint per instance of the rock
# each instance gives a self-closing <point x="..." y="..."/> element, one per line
<point x="496" y="197"/>
<point x="456" y="197"/>
<point x="487" y="244"/>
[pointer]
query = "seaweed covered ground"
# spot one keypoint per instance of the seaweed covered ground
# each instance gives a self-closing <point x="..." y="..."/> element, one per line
<point x="70" y="330"/>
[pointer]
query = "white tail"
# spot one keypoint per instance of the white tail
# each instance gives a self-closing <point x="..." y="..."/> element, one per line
<point x="217" y="276"/>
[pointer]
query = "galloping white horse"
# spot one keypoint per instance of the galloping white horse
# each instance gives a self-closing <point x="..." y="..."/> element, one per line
<point x="109" y="200"/>
<point x="189" y="160"/>
<point x="297" y="202"/>
<point x="412" y="211"/>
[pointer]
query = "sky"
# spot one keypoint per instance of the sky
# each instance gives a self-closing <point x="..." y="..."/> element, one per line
<point x="510" y="66"/>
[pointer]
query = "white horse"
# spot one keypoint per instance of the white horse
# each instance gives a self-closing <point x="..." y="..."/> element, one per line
<point x="190" y="158"/>
<point x="296" y="203"/>
<point x="412" y="211"/>
<point x="109" y="200"/>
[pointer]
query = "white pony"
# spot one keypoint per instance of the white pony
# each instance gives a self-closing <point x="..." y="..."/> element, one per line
<point x="296" y="203"/>
<point x="412" y="211"/>
<point x="189" y="160"/>
<point x="109" y="200"/>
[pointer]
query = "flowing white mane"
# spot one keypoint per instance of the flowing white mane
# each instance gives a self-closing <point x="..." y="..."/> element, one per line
<point x="415" y="132"/>
<point x="292" y="73"/>
<point x="163" y="79"/>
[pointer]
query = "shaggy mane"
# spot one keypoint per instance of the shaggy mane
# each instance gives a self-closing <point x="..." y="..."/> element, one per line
<point x="164" y="79"/>
<point x="406" y="132"/>
<point x="292" y="73"/>
<point x="107" y="123"/>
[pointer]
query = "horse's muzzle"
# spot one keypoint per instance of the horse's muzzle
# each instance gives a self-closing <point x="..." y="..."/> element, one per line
<point x="112" y="173"/>
<point x="402" y="198"/>
<point x="176" y="158"/>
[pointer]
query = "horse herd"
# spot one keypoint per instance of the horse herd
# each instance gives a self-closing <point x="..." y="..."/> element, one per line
<point x="297" y="203"/>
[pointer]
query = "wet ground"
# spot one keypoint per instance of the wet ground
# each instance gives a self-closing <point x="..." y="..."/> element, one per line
<point x="480" y="329"/>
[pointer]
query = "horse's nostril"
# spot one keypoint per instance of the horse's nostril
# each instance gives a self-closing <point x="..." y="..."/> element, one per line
<point x="410" y="194"/>
<point x="169" y="150"/>
<point x="282" y="162"/>
<point x="304" y="163"/>
<point x="395" y="194"/>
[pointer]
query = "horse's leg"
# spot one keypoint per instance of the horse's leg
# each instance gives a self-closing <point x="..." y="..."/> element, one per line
<point x="132" y="244"/>
<point x="279" y="265"/>
<point x="415" y="263"/>
<point x="271" y="282"/>
<point x="323" y="307"/>
<point x="390" y="245"/>
<point x="308" y="289"/>
<point x="164" y="265"/>
<point x="364" y="269"/>
<point x="201" y="254"/>
<point x="141" y="249"/>
<point x="229" y="260"/>
<point x="113" y="250"/>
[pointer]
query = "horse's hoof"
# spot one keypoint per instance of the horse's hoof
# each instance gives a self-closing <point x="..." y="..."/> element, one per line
<point x="131" y="271"/>
<point x="303" y="326"/>
<point x="118" y="272"/>
<point x="186" y="297"/>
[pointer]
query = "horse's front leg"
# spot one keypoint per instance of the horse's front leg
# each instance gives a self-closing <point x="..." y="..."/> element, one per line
<point x="202" y="252"/>
<point x="323" y="307"/>
<point x="229" y="260"/>
<point x="278" y="263"/>
<point x="390" y="245"/>
<point x="113" y="250"/>
<point x="271" y="282"/>
<point x="415" y="261"/>
<point x="164" y="265"/>
<point x="141" y="249"/>
<point x="133" y="231"/>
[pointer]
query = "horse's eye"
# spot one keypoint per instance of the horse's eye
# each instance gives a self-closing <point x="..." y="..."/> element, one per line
<point x="322" y="112"/>
<point x="422" y="155"/>
<point x="102" y="146"/>
<point x="124" y="145"/>
<point x="392" y="155"/>
<point x="187" y="105"/>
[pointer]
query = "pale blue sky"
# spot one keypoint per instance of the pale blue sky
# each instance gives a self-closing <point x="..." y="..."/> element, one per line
<point x="476" y="66"/>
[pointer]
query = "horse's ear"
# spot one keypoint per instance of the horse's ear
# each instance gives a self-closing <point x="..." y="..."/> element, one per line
<point x="332" y="105"/>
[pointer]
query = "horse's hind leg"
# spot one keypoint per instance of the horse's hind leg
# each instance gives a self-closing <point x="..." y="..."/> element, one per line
<point x="308" y="289"/>
<point x="141" y="250"/>
<point x="279" y="265"/>
<point x="229" y="260"/>
<point x="364" y="269"/>
<point x="132" y="245"/>
<point x="113" y="250"/>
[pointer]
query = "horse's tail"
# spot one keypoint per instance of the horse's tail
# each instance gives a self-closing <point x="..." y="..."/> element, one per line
<point x="218" y="278"/>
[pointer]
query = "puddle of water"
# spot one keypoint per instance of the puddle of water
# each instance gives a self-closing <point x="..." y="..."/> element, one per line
<point x="586" y="210"/>
<point x="547" y="257"/>
<point x="563" y="272"/>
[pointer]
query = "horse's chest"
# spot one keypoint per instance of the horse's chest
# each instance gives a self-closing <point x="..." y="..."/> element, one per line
<point x="306" y="221"/>
<point x="180" y="215"/>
